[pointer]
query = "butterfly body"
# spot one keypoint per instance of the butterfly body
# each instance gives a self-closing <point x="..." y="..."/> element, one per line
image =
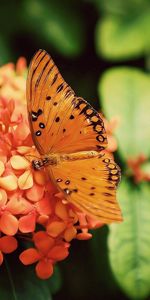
<point x="70" y="137"/>
<point x="55" y="159"/>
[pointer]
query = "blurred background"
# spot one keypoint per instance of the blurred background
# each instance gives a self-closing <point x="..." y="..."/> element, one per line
<point x="102" y="49"/>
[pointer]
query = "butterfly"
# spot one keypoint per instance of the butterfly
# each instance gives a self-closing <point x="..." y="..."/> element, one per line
<point x="70" y="137"/>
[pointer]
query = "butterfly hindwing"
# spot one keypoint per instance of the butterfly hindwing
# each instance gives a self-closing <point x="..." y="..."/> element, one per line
<point x="91" y="186"/>
<point x="60" y="122"/>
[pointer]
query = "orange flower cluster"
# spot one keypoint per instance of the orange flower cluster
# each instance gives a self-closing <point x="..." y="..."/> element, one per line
<point x="28" y="199"/>
<point x="135" y="168"/>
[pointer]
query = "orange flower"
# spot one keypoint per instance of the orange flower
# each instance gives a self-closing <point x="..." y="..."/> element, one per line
<point x="8" y="244"/>
<point x="48" y="250"/>
<point x="110" y="128"/>
<point x="135" y="168"/>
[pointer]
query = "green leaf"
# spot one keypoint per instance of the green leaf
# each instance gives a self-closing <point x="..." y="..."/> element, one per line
<point x="57" y="23"/>
<point x="121" y="38"/>
<point x="129" y="242"/>
<point x="5" y="53"/>
<point x="18" y="282"/>
<point x="145" y="167"/>
<point x="120" y="7"/>
<point x="125" y="94"/>
<point x="55" y="282"/>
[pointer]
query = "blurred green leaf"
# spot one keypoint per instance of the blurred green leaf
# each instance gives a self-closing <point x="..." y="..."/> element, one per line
<point x="18" y="282"/>
<point x="145" y="167"/>
<point x="54" y="283"/>
<point x="125" y="94"/>
<point x="5" y="52"/>
<point x="57" y="23"/>
<point x="120" y="7"/>
<point x="129" y="242"/>
<point x="119" y="37"/>
<point x="10" y="13"/>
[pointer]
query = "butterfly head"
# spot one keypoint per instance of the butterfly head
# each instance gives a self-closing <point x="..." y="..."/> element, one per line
<point x="39" y="164"/>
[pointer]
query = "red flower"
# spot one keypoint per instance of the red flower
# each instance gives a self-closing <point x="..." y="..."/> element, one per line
<point x="8" y="244"/>
<point x="46" y="253"/>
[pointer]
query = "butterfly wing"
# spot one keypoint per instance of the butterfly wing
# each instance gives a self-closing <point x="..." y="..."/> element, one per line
<point x="91" y="186"/>
<point x="60" y="122"/>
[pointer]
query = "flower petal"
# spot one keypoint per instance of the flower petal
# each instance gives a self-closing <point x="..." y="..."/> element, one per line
<point x="44" y="206"/>
<point x="35" y="193"/>
<point x="1" y="258"/>
<point x="55" y="228"/>
<point x="29" y="256"/>
<point x="43" y="220"/>
<point x="22" y="131"/>
<point x="27" y="223"/>
<point x="18" y="162"/>
<point x="58" y="253"/>
<point x="61" y="211"/>
<point x="25" y="181"/>
<point x="84" y="236"/>
<point x="3" y="198"/>
<point x="8" y="244"/>
<point x="40" y="177"/>
<point x="93" y="223"/>
<point x="8" y="224"/>
<point x="23" y="149"/>
<point x="2" y="167"/>
<point x="9" y="183"/>
<point x="19" y="205"/>
<point x="44" y="269"/>
<point x="43" y="241"/>
<point x="70" y="233"/>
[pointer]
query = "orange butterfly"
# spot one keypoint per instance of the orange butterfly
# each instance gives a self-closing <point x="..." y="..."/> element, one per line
<point x="70" y="135"/>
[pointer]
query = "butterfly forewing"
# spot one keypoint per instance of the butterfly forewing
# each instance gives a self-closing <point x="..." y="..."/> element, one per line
<point x="91" y="186"/>
<point x="60" y="122"/>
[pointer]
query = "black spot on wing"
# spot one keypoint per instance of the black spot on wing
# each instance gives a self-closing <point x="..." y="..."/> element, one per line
<point x="114" y="171"/>
<point x="54" y="79"/>
<point x="38" y="133"/>
<point x="67" y="182"/>
<point x="60" y="87"/>
<point x="41" y="125"/>
<point x="48" y="98"/>
<point x="93" y="118"/>
<point x="59" y="180"/>
<point x="36" y="114"/>
<point x="71" y="117"/>
<point x="41" y="74"/>
<point x="57" y="119"/>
